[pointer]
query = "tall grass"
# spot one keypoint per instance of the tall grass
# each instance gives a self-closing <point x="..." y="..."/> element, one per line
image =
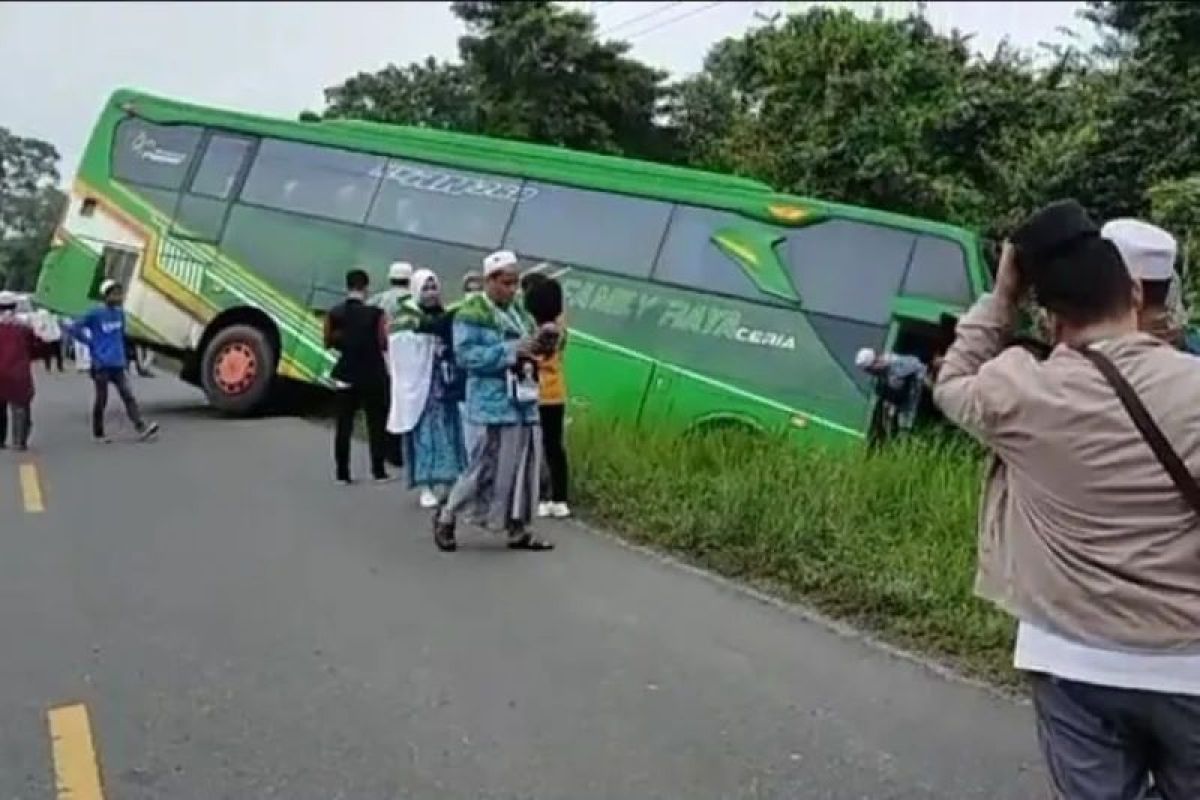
<point x="885" y="540"/>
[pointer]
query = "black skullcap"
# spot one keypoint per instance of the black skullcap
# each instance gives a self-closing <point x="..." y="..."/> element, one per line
<point x="1052" y="230"/>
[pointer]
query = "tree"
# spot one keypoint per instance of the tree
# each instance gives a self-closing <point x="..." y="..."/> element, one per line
<point x="893" y="115"/>
<point x="30" y="206"/>
<point x="1148" y="130"/>
<point x="829" y="104"/>
<point x="529" y="70"/>
<point x="21" y="256"/>
<point x="429" y="94"/>
<point x="1175" y="205"/>
<point x="882" y="113"/>
<point x="26" y="166"/>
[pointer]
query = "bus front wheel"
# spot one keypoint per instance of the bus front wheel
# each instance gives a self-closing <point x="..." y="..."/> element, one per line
<point x="237" y="368"/>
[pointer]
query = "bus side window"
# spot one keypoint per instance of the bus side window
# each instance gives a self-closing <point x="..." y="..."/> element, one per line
<point x="446" y="204"/>
<point x="219" y="166"/>
<point x="159" y="156"/>
<point x="849" y="269"/>
<point x="692" y="257"/>
<point x="611" y="232"/>
<point x="938" y="271"/>
<point x="848" y="274"/>
<point x="321" y="181"/>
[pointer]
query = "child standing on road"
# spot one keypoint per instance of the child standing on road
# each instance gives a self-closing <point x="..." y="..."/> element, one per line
<point x="102" y="330"/>
<point x="17" y="346"/>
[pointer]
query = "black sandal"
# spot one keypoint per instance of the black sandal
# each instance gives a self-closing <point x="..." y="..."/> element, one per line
<point x="443" y="533"/>
<point x="530" y="542"/>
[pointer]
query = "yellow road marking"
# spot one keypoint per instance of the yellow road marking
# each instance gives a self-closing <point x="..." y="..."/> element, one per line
<point x="31" y="489"/>
<point x="76" y="773"/>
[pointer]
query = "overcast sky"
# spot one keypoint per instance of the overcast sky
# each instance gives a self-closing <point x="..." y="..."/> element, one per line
<point x="60" y="60"/>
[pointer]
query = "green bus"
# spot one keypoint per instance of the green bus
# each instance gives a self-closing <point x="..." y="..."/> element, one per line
<point x="695" y="299"/>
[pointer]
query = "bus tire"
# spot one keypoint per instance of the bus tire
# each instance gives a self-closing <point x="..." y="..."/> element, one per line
<point x="237" y="369"/>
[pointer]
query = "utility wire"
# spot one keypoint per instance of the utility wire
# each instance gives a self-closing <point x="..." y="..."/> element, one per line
<point x="647" y="15"/>
<point x="666" y="23"/>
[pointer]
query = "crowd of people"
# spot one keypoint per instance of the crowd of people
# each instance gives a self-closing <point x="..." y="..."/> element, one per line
<point x="467" y="397"/>
<point x="1090" y="522"/>
<point x="98" y="342"/>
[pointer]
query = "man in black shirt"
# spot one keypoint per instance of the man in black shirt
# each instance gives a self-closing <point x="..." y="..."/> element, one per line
<point x="359" y="333"/>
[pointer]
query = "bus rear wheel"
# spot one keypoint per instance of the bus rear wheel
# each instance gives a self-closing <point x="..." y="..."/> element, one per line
<point x="237" y="368"/>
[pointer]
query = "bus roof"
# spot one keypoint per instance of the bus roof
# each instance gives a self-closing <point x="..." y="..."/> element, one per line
<point x="521" y="159"/>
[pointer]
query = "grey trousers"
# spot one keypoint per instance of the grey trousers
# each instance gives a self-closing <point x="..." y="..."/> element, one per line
<point x="1103" y="743"/>
<point x="500" y="484"/>
<point x="22" y="424"/>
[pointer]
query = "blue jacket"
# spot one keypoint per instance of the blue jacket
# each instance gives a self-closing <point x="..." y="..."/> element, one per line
<point x="485" y="351"/>
<point x="103" y="331"/>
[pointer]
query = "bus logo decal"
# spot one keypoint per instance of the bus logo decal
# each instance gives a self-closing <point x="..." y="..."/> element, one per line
<point x="147" y="148"/>
<point x="429" y="180"/>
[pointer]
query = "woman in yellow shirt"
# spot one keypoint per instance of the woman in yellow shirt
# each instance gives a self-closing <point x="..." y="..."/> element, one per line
<point x="543" y="300"/>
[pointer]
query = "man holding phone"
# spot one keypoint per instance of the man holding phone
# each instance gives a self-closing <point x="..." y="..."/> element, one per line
<point x="494" y="342"/>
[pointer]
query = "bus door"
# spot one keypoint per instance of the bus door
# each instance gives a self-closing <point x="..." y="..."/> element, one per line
<point x="204" y="206"/>
<point x="936" y="290"/>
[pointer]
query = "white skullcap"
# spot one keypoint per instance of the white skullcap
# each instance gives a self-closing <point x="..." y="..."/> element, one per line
<point x="106" y="286"/>
<point x="399" y="271"/>
<point x="8" y="299"/>
<point x="1147" y="250"/>
<point x="864" y="358"/>
<point x="499" y="260"/>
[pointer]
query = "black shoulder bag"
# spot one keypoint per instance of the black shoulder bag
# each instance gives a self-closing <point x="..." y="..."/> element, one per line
<point x="1172" y="463"/>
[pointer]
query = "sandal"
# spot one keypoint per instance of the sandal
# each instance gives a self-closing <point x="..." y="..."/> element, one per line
<point x="528" y="541"/>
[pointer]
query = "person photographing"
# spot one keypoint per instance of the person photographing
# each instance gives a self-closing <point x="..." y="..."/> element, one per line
<point x="1090" y="521"/>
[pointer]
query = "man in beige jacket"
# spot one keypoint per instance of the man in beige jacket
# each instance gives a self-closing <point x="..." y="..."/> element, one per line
<point x="1083" y="537"/>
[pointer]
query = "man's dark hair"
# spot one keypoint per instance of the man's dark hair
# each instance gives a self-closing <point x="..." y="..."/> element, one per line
<point x="357" y="280"/>
<point x="543" y="299"/>
<point x="1083" y="283"/>
<point x="532" y="279"/>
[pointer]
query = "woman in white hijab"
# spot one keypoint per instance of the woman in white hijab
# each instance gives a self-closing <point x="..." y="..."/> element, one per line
<point x="426" y="389"/>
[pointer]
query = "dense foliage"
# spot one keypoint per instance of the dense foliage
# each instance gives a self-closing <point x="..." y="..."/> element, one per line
<point x="884" y="113"/>
<point x="30" y="206"/>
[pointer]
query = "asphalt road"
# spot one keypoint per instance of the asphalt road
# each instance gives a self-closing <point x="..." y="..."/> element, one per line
<point x="237" y="626"/>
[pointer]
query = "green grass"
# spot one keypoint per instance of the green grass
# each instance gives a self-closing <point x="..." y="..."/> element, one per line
<point x="885" y="541"/>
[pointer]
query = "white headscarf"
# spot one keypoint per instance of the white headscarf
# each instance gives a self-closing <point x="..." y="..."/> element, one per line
<point x="410" y="361"/>
<point x="419" y="279"/>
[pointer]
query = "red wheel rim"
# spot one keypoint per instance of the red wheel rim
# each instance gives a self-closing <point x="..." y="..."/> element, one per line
<point x="235" y="368"/>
